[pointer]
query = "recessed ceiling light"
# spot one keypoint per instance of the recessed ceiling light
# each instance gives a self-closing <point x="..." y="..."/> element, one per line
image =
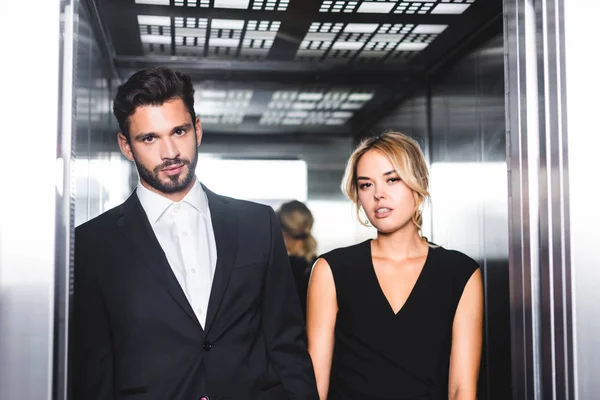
<point x="379" y="8"/>
<point x="310" y="96"/>
<point x="347" y="45"/>
<point x="335" y="121"/>
<point x="223" y="42"/>
<point x="450" y="8"/>
<point x="155" y="39"/>
<point x="240" y="4"/>
<point x="153" y="2"/>
<point x="361" y="28"/>
<point x="360" y="97"/>
<point x="154" y="20"/>
<point x="411" y="46"/>
<point x="227" y="24"/>
<point x="428" y="29"/>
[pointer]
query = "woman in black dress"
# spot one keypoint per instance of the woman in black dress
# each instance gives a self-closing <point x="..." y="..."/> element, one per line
<point x="296" y="222"/>
<point x="395" y="317"/>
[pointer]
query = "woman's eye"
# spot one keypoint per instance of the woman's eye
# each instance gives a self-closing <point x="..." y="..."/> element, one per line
<point x="364" y="185"/>
<point x="393" y="179"/>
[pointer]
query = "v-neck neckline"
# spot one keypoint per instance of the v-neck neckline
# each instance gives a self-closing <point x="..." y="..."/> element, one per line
<point x="378" y="284"/>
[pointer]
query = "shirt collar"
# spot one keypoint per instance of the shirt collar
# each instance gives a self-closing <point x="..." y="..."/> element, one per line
<point x="155" y="204"/>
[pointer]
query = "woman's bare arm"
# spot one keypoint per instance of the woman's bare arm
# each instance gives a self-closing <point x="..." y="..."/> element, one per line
<point x="465" y="356"/>
<point x="321" y="313"/>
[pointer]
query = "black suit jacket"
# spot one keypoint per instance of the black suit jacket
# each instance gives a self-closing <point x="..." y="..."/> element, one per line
<point x="135" y="335"/>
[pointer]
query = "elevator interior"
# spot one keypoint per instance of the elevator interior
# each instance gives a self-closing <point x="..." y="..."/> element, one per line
<point x="306" y="80"/>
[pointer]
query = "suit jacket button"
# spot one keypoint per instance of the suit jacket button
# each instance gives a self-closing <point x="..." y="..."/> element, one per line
<point x="207" y="346"/>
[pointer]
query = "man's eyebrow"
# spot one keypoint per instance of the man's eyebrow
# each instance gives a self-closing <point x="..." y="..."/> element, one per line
<point x="143" y="135"/>
<point x="187" y="125"/>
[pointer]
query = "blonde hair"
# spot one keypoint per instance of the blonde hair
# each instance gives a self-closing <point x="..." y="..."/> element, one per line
<point x="409" y="163"/>
<point x="297" y="221"/>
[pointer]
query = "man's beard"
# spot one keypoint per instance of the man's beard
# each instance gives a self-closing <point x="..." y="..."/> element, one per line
<point x="176" y="183"/>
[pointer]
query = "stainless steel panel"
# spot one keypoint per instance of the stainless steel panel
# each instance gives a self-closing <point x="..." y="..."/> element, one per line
<point x="545" y="252"/>
<point x="459" y="119"/>
<point x="580" y="88"/>
<point x="28" y="222"/>
<point x="469" y="190"/>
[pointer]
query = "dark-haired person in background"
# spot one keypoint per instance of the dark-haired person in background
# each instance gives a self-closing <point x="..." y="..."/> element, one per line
<point x="296" y="222"/>
<point x="180" y="293"/>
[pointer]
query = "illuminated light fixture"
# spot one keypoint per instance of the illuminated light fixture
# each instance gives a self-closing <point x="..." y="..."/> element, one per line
<point x="335" y="121"/>
<point x="304" y="106"/>
<point x="153" y="2"/>
<point x="341" y="114"/>
<point x="240" y="4"/>
<point x="361" y="28"/>
<point x="450" y="8"/>
<point x="227" y="24"/>
<point x="154" y="20"/>
<point x="155" y="39"/>
<point x="411" y="46"/>
<point x="223" y="42"/>
<point x="360" y="97"/>
<point x="378" y="8"/>
<point x="213" y="94"/>
<point x="347" y="45"/>
<point x="310" y="96"/>
<point x="387" y="38"/>
<point x="194" y="32"/>
<point x="429" y="29"/>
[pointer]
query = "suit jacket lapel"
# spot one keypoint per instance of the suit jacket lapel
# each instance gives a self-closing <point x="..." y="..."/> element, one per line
<point x="225" y="229"/>
<point x="136" y="227"/>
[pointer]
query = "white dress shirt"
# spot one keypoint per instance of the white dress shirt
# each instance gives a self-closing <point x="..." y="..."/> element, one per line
<point x="185" y="233"/>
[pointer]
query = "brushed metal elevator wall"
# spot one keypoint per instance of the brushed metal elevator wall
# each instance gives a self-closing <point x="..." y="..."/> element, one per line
<point x="458" y="118"/>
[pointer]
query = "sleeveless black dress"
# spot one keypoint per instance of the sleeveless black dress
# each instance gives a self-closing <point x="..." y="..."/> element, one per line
<point x="381" y="355"/>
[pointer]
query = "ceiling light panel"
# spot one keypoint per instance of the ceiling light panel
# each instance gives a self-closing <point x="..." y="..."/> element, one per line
<point x="258" y="38"/>
<point x="190" y="36"/>
<point x="313" y="107"/>
<point x="153" y="2"/>
<point x="366" y="42"/>
<point x="318" y="40"/>
<point x="192" y="3"/>
<point x="395" y="6"/>
<point x="235" y="4"/>
<point x="270" y="5"/>
<point x="227" y="107"/>
<point x="155" y="33"/>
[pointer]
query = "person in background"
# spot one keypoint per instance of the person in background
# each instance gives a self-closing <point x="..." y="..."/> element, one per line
<point x="395" y="317"/>
<point x="296" y="222"/>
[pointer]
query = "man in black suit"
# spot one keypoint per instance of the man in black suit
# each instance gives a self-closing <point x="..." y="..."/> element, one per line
<point x="182" y="294"/>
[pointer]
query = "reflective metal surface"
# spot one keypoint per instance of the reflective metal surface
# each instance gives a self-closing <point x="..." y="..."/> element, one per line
<point x="32" y="174"/>
<point x="103" y="175"/>
<point x="459" y="119"/>
<point x="553" y="265"/>
<point x="581" y="85"/>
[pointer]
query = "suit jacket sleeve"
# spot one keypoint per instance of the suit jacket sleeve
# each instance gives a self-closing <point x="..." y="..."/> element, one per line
<point x="91" y="348"/>
<point x="283" y="325"/>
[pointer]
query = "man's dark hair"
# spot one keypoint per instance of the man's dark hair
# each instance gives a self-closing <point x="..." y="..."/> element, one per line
<point x="152" y="87"/>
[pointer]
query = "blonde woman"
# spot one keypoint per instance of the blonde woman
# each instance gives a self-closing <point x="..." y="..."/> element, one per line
<point x="296" y="222"/>
<point x="395" y="317"/>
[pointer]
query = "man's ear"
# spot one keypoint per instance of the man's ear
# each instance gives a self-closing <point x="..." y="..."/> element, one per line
<point x="198" y="127"/>
<point x="125" y="146"/>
